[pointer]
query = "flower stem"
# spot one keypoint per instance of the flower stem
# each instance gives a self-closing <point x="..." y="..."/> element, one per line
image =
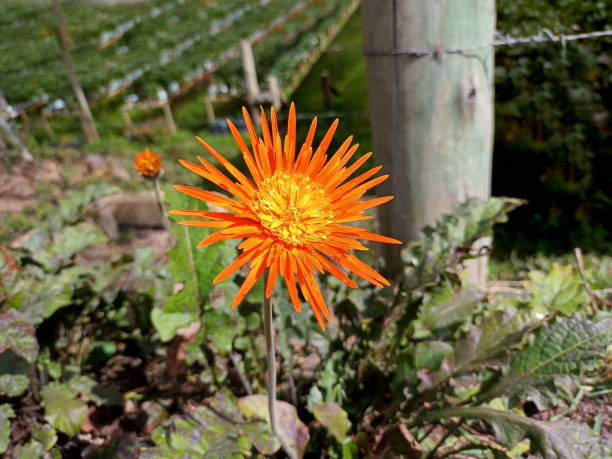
<point x="162" y="207"/>
<point x="271" y="357"/>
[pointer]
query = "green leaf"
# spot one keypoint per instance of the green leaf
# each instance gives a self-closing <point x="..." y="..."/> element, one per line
<point x="293" y="432"/>
<point x="559" y="290"/>
<point x="6" y="414"/>
<point x="215" y="429"/>
<point x="167" y="323"/>
<point x="37" y="294"/>
<point x="18" y="335"/>
<point x="62" y="410"/>
<point x="68" y="242"/>
<point x="429" y="355"/>
<point x="443" y="246"/>
<point x="191" y="267"/>
<point x="13" y="384"/>
<point x="31" y="449"/>
<point x="552" y="440"/>
<point x="444" y="309"/>
<point x="559" y="349"/>
<point x="333" y="418"/>
<point x="89" y="390"/>
<point x="221" y="326"/>
<point x="44" y="434"/>
<point x="18" y="351"/>
<point x="488" y="341"/>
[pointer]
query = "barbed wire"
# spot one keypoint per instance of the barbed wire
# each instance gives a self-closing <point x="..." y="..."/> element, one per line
<point x="544" y="35"/>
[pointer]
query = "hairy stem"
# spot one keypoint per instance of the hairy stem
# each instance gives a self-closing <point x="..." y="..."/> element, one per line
<point x="271" y="357"/>
<point x="162" y="207"/>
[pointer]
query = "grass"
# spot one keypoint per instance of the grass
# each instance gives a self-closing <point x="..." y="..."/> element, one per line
<point x="345" y="64"/>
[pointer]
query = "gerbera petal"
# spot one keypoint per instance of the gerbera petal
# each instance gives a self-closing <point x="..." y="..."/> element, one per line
<point x="229" y="166"/>
<point x="246" y="154"/>
<point x="290" y="138"/>
<point x="237" y="232"/>
<point x="251" y="130"/>
<point x="212" y="174"/>
<point x="360" y="190"/>
<point x="235" y="265"/>
<point x="207" y="196"/>
<point x="360" y="206"/>
<point x="342" y="175"/>
<point x="205" y="223"/>
<point x="257" y="268"/>
<point x="345" y="187"/>
<point x="359" y="268"/>
<point x="334" y="271"/>
<point x="272" y="275"/>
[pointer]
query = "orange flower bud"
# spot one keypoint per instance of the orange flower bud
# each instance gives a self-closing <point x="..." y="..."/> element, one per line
<point x="148" y="164"/>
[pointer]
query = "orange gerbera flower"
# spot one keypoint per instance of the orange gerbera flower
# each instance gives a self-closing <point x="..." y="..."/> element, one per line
<point x="290" y="212"/>
<point x="148" y="164"/>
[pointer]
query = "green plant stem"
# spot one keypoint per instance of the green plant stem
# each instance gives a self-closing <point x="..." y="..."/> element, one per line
<point x="161" y="205"/>
<point x="271" y="357"/>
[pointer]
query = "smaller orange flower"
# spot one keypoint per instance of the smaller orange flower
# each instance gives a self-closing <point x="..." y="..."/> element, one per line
<point x="148" y="164"/>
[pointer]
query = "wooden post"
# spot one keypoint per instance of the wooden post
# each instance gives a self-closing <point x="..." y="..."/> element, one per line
<point x="44" y="119"/>
<point x="87" y="120"/>
<point x="170" y="124"/>
<point x="432" y="116"/>
<point x="210" y="109"/>
<point x="128" y="126"/>
<point x="328" y="89"/>
<point x="250" y="77"/>
<point x="12" y="136"/>
<point x="274" y="92"/>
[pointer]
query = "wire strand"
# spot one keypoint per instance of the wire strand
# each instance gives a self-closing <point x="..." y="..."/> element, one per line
<point x="544" y="35"/>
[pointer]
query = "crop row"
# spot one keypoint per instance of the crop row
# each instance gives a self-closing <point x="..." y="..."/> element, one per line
<point x="152" y="53"/>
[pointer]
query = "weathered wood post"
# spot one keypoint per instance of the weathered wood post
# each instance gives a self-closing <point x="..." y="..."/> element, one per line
<point x="44" y="119"/>
<point x="250" y="77"/>
<point x="432" y="116"/>
<point x="168" y="117"/>
<point x="210" y="110"/>
<point x="87" y="120"/>
<point x="274" y="92"/>
<point x="11" y="136"/>
<point x="128" y="125"/>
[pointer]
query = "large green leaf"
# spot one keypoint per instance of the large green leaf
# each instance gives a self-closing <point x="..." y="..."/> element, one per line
<point x="192" y="269"/>
<point x="17" y="334"/>
<point x="444" y="309"/>
<point x="62" y="408"/>
<point x="167" y="323"/>
<point x="552" y="440"/>
<point x="44" y="434"/>
<point x="18" y="351"/>
<point x="14" y="374"/>
<point x="333" y="418"/>
<point x="292" y="432"/>
<point x="447" y="243"/>
<point x="489" y="341"/>
<point x="6" y="414"/>
<point x="32" y="448"/>
<point x="559" y="290"/>
<point x="214" y="429"/>
<point x="68" y="242"/>
<point x="38" y="294"/>
<point x="560" y="349"/>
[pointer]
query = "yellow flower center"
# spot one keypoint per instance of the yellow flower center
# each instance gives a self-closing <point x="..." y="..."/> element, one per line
<point x="294" y="208"/>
